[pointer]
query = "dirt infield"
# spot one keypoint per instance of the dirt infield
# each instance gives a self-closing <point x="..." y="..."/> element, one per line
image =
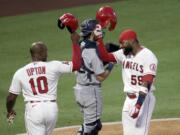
<point x="158" y="127"/>
<point x="16" y="7"/>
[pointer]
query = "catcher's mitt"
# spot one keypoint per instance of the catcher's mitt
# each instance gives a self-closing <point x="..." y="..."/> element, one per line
<point x="111" y="47"/>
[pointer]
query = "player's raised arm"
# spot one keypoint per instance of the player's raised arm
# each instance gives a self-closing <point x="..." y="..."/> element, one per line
<point x="76" y="52"/>
<point x="71" y="23"/>
<point x="107" y="18"/>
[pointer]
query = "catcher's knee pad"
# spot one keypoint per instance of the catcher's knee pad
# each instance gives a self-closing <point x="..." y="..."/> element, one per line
<point x="95" y="127"/>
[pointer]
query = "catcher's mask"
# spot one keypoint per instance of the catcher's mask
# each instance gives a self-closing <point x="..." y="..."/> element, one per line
<point x="87" y="27"/>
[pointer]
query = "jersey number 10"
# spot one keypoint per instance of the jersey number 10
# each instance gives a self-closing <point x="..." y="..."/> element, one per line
<point x="42" y="80"/>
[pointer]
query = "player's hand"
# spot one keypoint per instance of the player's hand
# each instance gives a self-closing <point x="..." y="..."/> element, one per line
<point x="69" y="21"/>
<point x="75" y="38"/>
<point x="134" y="112"/>
<point x="10" y="117"/>
<point x="98" y="32"/>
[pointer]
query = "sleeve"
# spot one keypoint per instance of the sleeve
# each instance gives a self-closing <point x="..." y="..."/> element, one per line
<point x="63" y="66"/>
<point x="119" y="55"/>
<point x="15" y="86"/>
<point x="104" y="55"/>
<point x="76" y="57"/>
<point x="97" y="65"/>
<point x="150" y="64"/>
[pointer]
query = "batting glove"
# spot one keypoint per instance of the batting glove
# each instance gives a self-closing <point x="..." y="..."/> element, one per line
<point x="10" y="117"/>
<point x="134" y="112"/>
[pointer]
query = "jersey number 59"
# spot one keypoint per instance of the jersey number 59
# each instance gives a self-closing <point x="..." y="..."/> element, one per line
<point x="42" y="85"/>
<point x="136" y="80"/>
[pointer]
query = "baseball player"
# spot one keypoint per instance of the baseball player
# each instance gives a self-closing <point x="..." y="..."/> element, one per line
<point x="89" y="77"/>
<point x="139" y="66"/>
<point x="38" y="82"/>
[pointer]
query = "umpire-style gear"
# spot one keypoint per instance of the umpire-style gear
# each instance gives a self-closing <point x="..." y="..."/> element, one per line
<point x="87" y="27"/>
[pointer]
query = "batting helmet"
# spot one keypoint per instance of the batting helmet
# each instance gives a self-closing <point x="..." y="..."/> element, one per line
<point x="87" y="27"/>
<point x="106" y="15"/>
<point x="69" y="21"/>
<point x="127" y="34"/>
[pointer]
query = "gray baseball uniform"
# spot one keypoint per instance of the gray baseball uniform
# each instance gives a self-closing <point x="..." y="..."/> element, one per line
<point x="88" y="88"/>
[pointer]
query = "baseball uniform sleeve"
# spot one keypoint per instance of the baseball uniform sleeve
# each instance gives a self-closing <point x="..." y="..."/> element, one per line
<point x="63" y="66"/>
<point x="150" y="64"/>
<point x="119" y="55"/>
<point x="97" y="64"/>
<point x="16" y="86"/>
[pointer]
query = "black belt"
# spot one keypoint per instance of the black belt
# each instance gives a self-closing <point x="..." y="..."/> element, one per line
<point x="90" y="84"/>
<point x="41" y="101"/>
<point x="82" y="72"/>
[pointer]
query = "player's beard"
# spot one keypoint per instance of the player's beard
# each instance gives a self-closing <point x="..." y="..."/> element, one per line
<point x="127" y="50"/>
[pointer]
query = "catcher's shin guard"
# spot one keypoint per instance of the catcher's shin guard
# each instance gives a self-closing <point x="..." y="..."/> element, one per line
<point x="81" y="130"/>
<point x="96" y="127"/>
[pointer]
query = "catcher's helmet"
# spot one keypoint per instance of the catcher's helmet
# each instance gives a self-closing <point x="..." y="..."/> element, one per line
<point x="106" y="15"/>
<point x="87" y="27"/>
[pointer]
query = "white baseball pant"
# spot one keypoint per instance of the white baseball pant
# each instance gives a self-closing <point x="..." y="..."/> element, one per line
<point x="41" y="117"/>
<point x="140" y="125"/>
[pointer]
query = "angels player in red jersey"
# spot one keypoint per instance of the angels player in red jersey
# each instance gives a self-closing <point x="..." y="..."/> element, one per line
<point x="38" y="82"/>
<point x="139" y="65"/>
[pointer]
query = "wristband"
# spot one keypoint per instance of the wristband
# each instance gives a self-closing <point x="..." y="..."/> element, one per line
<point x="140" y="100"/>
<point x="110" y="67"/>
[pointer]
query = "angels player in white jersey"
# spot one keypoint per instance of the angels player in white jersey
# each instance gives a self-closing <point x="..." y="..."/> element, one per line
<point x="139" y="66"/>
<point x="38" y="82"/>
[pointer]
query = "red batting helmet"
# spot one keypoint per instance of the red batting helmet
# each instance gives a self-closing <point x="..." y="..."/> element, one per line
<point x="127" y="34"/>
<point x="106" y="15"/>
<point x="69" y="20"/>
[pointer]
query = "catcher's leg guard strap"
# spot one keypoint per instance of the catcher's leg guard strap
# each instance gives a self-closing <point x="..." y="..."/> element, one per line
<point x="95" y="127"/>
<point x="81" y="130"/>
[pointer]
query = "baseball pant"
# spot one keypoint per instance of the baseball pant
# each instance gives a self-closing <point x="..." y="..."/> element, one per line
<point x="40" y="117"/>
<point x="140" y="125"/>
<point x="89" y="99"/>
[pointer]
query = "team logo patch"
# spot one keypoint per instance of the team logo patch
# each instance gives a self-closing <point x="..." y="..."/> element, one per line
<point x="153" y="67"/>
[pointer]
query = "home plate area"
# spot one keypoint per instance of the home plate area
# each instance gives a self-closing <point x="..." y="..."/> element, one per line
<point x="169" y="126"/>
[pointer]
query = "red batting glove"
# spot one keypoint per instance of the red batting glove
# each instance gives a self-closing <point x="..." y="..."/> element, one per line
<point x="134" y="112"/>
